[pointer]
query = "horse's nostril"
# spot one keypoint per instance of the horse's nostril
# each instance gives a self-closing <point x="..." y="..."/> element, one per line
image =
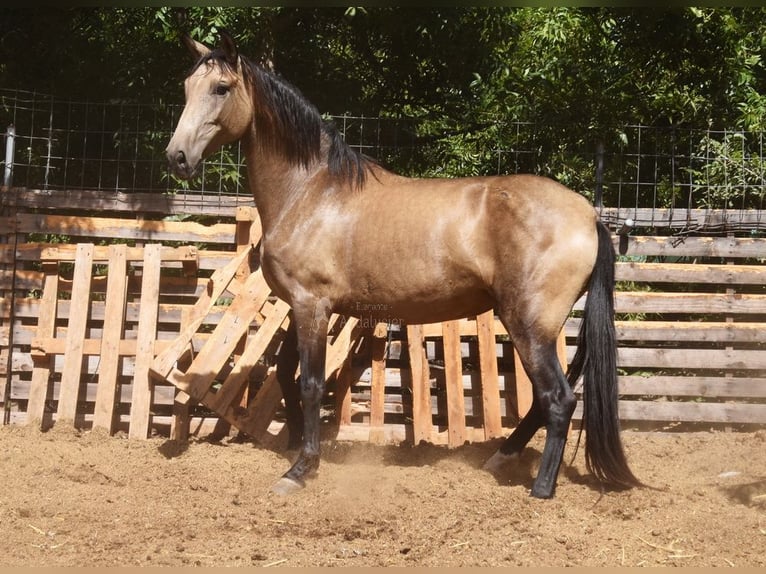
<point x="181" y="158"/>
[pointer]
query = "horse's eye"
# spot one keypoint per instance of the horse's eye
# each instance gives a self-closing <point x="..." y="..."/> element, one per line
<point x="221" y="90"/>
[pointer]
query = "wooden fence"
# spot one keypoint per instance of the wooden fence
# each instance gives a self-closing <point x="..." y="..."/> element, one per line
<point x="110" y="328"/>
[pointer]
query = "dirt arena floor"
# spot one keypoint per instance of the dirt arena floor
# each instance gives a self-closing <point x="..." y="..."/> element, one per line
<point x="76" y="499"/>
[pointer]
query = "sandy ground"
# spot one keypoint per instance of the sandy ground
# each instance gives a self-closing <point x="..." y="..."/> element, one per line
<point x="70" y="498"/>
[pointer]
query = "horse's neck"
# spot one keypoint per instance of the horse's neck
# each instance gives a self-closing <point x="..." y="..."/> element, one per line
<point x="276" y="184"/>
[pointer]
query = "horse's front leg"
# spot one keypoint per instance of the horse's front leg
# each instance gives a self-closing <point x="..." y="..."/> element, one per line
<point x="287" y="365"/>
<point x="311" y="328"/>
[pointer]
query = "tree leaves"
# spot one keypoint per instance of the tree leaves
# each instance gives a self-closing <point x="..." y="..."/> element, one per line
<point x="465" y="75"/>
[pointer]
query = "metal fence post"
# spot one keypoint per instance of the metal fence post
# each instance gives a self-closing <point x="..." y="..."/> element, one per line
<point x="7" y="181"/>
<point x="598" y="197"/>
<point x="10" y="142"/>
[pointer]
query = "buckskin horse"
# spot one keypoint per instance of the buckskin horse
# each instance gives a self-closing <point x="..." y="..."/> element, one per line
<point x="341" y="233"/>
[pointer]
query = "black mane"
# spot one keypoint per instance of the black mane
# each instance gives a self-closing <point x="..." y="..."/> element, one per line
<point x="286" y="120"/>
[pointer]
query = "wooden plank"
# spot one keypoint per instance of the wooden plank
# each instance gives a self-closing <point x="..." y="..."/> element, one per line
<point x="686" y="359"/>
<point x="5" y="306"/>
<point x="179" y="286"/>
<point x="422" y="421"/>
<point x="724" y="247"/>
<point x="132" y="202"/>
<point x="686" y="303"/>
<point x="453" y="374"/>
<point x="209" y="259"/>
<point x="179" y="425"/>
<point x="255" y="420"/>
<point x="125" y="347"/>
<point x="8" y="225"/>
<point x="7" y="251"/>
<point x="219" y="347"/>
<point x="19" y="279"/>
<point x="490" y="391"/>
<point x="678" y="411"/>
<point x="686" y="386"/>
<point x="466" y="328"/>
<point x="237" y="384"/>
<point x="523" y="387"/>
<point x="378" y="398"/>
<point x="690" y="273"/>
<point x="164" y="362"/>
<point x="681" y="218"/>
<point x="163" y="395"/>
<point x="114" y="317"/>
<point x="561" y="350"/>
<point x="683" y="331"/>
<point x="250" y="232"/>
<point x="46" y="327"/>
<point x="339" y="348"/>
<point x="256" y="346"/>
<point x="343" y="382"/>
<point x="141" y="402"/>
<point x="78" y="322"/>
<point x="105" y="227"/>
<point x="103" y="253"/>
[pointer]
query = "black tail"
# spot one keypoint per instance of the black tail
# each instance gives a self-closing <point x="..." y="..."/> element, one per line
<point x="596" y="360"/>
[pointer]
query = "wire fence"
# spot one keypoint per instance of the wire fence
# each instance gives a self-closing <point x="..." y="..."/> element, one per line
<point x="119" y="146"/>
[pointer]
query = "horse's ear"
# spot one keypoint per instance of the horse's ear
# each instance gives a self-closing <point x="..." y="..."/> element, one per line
<point x="229" y="48"/>
<point x="197" y="49"/>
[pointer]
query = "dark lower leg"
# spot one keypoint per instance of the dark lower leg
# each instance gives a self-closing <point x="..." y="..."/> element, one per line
<point x="287" y="365"/>
<point x="312" y="383"/>
<point x="560" y="410"/>
<point x="552" y="406"/>
<point x="308" y="458"/>
<point x="524" y="432"/>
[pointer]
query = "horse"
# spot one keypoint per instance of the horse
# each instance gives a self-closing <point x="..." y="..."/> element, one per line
<point x="342" y="234"/>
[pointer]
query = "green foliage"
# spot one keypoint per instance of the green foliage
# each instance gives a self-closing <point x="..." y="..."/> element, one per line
<point x="464" y="74"/>
<point x="221" y="172"/>
<point x="733" y="172"/>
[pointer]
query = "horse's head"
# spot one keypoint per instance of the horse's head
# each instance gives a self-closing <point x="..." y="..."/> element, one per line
<point x="218" y="106"/>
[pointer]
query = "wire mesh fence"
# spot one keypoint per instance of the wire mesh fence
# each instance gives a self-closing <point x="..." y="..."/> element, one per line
<point x="118" y="146"/>
<point x="62" y="144"/>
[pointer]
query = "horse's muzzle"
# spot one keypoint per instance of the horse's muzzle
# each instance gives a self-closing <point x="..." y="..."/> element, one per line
<point x="178" y="164"/>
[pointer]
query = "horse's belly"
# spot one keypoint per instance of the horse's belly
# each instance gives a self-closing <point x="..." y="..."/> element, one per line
<point x="417" y="310"/>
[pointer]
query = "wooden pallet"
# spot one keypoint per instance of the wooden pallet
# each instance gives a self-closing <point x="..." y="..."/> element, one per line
<point x="74" y="345"/>
<point x="199" y="382"/>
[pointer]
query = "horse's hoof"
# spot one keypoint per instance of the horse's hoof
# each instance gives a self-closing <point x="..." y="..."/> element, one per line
<point x="287" y="486"/>
<point x="497" y="461"/>
<point x="543" y="493"/>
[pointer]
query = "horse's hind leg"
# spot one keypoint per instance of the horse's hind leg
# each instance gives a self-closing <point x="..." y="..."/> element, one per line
<point x="552" y="407"/>
<point x="287" y="365"/>
<point x="521" y="435"/>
